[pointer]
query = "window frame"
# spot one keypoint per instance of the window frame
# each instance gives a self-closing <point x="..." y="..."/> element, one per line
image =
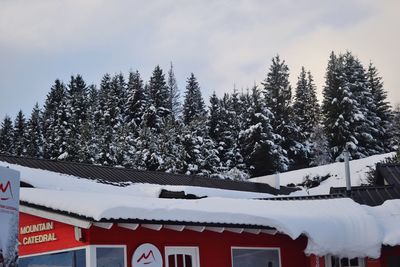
<point x="328" y="261"/>
<point x="93" y="254"/>
<point x="86" y="248"/>
<point x="179" y="250"/>
<point x="260" y="248"/>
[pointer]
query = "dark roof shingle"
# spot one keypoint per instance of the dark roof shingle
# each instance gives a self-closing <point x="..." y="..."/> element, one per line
<point x="124" y="176"/>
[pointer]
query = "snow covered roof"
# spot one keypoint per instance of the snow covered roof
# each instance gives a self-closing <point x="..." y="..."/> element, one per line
<point x="336" y="226"/>
<point x="126" y="176"/>
<point x="332" y="226"/>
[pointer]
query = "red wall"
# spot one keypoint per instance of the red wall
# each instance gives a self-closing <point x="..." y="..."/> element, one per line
<point x="214" y="248"/>
<point x="64" y="234"/>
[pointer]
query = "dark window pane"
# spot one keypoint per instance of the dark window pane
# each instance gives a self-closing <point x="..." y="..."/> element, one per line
<point x="255" y="258"/>
<point x="110" y="257"/>
<point x="66" y="259"/>
<point x="179" y="260"/>
<point x="354" y="262"/>
<point x="188" y="261"/>
<point x="344" y="262"/>
<point x="171" y="261"/>
<point x="335" y="262"/>
<point x="394" y="261"/>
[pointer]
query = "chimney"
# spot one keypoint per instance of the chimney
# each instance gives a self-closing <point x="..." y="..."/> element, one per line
<point x="347" y="171"/>
<point x="277" y="181"/>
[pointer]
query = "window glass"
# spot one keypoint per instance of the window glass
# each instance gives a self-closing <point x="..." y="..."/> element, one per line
<point x="255" y="257"/>
<point x="74" y="258"/>
<point x="394" y="261"/>
<point x="110" y="257"/>
<point x="181" y="256"/>
<point x="345" y="262"/>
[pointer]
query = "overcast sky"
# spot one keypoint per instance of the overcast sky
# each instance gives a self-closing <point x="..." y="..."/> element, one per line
<point x="223" y="42"/>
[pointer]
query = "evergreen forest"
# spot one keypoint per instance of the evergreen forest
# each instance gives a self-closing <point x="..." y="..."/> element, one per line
<point x="154" y="125"/>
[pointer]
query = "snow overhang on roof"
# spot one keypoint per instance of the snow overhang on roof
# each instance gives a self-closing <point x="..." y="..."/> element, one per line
<point x="336" y="226"/>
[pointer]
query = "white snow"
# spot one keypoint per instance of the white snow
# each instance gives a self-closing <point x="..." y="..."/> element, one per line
<point x="52" y="180"/>
<point x="337" y="226"/>
<point x="358" y="170"/>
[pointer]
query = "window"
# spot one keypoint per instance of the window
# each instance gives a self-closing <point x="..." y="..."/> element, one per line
<point x="393" y="261"/>
<point x="333" y="261"/>
<point x="75" y="258"/>
<point x="182" y="257"/>
<point x="110" y="257"/>
<point x="255" y="257"/>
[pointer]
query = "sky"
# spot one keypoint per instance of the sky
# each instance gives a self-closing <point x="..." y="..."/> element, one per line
<point x="227" y="44"/>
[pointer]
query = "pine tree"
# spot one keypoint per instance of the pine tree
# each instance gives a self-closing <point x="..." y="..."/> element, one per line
<point x="159" y="97"/>
<point x="306" y="111"/>
<point x="6" y="136"/>
<point x="394" y="129"/>
<point x="108" y="121"/>
<point x="382" y="109"/>
<point x="137" y="101"/>
<point x="193" y="106"/>
<point x="77" y="94"/>
<point x="20" y="134"/>
<point x="174" y="95"/>
<point x="89" y="143"/>
<point x="366" y="120"/>
<point x="260" y="146"/>
<point x="278" y="97"/>
<point x="34" y="137"/>
<point x="55" y="122"/>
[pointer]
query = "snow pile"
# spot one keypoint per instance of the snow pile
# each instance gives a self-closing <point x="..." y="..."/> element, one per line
<point x="337" y="226"/>
<point x="335" y="171"/>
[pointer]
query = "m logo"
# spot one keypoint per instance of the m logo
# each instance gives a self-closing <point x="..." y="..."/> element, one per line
<point x="147" y="255"/>
<point x="6" y="191"/>
<point x="147" y="258"/>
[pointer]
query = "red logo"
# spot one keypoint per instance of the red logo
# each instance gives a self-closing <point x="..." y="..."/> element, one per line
<point x="146" y="257"/>
<point x="6" y="191"/>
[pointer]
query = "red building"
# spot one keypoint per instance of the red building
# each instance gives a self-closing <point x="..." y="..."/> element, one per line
<point x="79" y="222"/>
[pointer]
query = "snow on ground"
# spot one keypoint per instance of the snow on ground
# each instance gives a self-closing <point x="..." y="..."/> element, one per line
<point x="336" y="226"/>
<point x="358" y="169"/>
<point x="57" y="181"/>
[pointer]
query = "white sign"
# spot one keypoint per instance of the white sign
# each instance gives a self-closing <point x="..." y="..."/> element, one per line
<point x="147" y="255"/>
<point x="9" y="204"/>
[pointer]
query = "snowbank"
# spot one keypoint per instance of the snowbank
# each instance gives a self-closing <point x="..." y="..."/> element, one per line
<point x="336" y="226"/>
<point x="336" y="172"/>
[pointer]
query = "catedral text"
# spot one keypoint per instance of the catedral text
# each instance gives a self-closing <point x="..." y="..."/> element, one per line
<point x="36" y="239"/>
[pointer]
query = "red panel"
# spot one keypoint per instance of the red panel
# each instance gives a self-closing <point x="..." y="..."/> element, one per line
<point x="214" y="248"/>
<point x="315" y="261"/>
<point x="64" y="234"/>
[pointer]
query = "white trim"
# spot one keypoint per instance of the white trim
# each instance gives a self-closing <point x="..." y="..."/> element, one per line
<point x="55" y="217"/>
<point x="187" y="250"/>
<point x="156" y="227"/>
<point x="269" y="232"/>
<point x="252" y="231"/>
<point x="196" y="228"/>
<point x="260" y="248"/>
<point x="103" y="225"/>
<point x="94" y="253"/>
<point x="130" y="226"/>
<point x="235" y="230"/>
<point x="178" y="228"/>
<point x="215" y="229"/>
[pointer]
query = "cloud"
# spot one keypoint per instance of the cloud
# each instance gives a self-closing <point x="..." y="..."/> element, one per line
<point x="223" y="42"/>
